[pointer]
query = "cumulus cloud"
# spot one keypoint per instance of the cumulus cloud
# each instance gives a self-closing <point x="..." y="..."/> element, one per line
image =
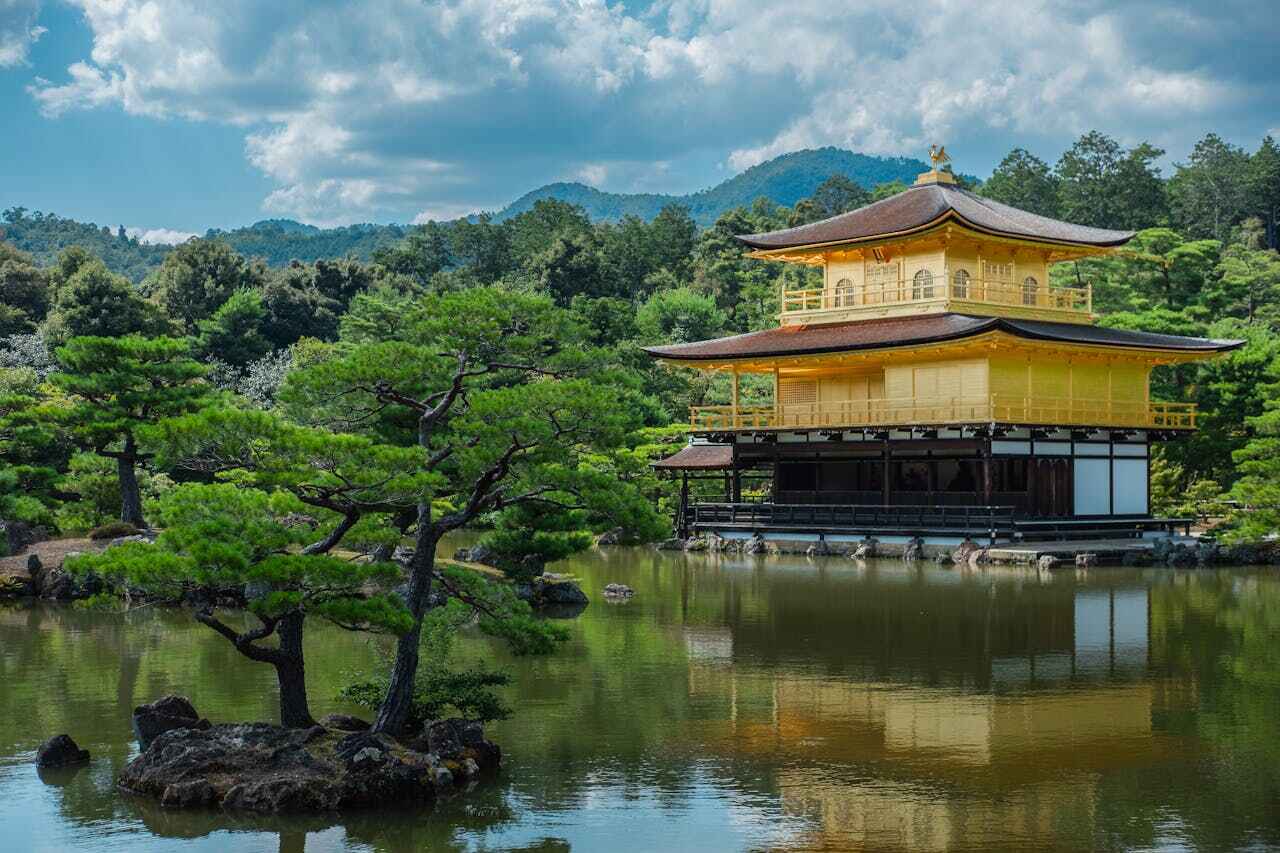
<point x="159" y="236"/>
<point x="387" y="108"/>
<point x="18" y="30"/>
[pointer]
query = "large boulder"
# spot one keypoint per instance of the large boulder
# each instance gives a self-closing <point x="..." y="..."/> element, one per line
<point x="343" y="723"/>
<point x="17" y="536"/>
<point x="60" y="751"/>
<point x="165" y="715"/>
<point x="457" y="740"/>
<point x="618" y="590"/>
<point x="556" y="590"/>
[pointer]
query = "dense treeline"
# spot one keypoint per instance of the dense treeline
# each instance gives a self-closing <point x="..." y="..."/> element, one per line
<point x="489" y="375"/>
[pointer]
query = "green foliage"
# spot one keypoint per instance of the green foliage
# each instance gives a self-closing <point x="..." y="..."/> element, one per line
<point x="1024" y="181"/>
<point x="91" y="494"/>
<point x="234" y="333"/>
<point x="834" y="196"/>
<point x="113" y="530"/>
<point x="94" y="301"/>
<point x="199" y="276"/>
<point x="117" y="384"/>
<point x="679" y="316"/>
<point x="24" y="292"/>
<point x="45" y="236"/>
<point x="219" y="536"/>
<point x="1101" y="184"/>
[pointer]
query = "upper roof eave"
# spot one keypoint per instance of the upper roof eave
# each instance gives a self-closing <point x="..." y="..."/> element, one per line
<point x="925" y="206"/>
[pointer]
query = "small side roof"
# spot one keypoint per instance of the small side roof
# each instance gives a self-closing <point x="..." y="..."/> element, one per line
<point x="926" y="205"/>
<point x="914" y="331"/>
<point x="698" y="457"/>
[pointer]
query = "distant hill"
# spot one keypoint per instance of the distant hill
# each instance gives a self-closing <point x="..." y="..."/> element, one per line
<point x="279" y="241"/>
<point x="783" y="180"/>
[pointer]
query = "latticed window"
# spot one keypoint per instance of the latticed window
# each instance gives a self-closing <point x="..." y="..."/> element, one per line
<point x="1030" y="287"/>
<point x="882" y="282"/>
<point x="922" y="285"/>
<point x="844" y="295"/>
<point x="997" y="272"/>
<point x="797" y="391"/>
<point x="960" y="284"/>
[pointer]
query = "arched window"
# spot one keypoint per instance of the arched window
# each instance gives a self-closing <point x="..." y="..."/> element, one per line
<point x="960" y="284"/>
<point x="922" y="285"/>
<point x="844" y="293"/>
<point x="1030" y="287"/>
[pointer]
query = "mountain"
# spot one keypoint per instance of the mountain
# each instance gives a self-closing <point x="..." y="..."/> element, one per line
<point x="783" y="180"/>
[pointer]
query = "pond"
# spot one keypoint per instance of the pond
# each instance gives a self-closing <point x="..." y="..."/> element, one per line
<point x="740" y="703"/>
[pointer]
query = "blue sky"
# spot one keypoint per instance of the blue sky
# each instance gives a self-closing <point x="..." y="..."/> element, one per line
<point x="179" y="115"/>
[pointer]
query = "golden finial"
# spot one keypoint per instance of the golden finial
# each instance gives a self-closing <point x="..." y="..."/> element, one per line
<point x="938" y="155"/>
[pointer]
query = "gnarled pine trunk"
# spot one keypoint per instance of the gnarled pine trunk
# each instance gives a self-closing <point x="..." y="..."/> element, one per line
<point x="291" y="673"/>
<point x="394" y="711"/>
<point x="130" y="494"/>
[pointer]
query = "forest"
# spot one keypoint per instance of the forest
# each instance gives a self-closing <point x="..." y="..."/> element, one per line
<point x="483" y="374"/>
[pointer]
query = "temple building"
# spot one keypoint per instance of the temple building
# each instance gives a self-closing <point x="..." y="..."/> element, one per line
<point x="936" y="384"/>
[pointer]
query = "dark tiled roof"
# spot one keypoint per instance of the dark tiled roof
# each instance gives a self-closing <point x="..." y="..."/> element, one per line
<point x="915" y="331"/>
<point x="921" y="206"/>
<point x="699" y="456"/>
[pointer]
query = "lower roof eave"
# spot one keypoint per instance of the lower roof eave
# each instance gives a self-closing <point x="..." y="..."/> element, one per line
<point x="984" y="426"/>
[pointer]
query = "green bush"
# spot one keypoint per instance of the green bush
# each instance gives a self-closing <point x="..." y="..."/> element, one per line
<point x="114" y="530"/>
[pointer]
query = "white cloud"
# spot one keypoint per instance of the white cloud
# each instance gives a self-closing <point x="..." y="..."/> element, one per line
<point x="592" y="174"/>
<point x="160" y="236"/>
<point x="381" y="108"/>
<point x="18" y="30"/>
<point x="442" y="213"/>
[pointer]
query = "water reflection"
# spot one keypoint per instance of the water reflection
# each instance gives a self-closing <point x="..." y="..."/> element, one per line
<point x="747" y="704"/>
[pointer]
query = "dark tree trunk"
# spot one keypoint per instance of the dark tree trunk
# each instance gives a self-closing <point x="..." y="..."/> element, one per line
<point x="393" y="714"/>
<point x="291" y="673"/>
<point x="130" y="494"/>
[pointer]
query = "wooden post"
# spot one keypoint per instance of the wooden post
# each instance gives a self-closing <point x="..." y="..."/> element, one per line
<point x="777" y="399"/>
<point x="682" y="520"/>
<point x="737" y="485"/>
<point x="887" y="489"/>
<point x="986" y="472"/>
<point x="737" y="421"/>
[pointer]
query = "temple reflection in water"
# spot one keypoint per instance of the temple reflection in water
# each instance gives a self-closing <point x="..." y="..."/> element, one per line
<point x="923" y="716"/>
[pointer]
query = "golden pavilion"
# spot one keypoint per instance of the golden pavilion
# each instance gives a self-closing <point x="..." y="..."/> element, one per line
<point x="936" y="384"/>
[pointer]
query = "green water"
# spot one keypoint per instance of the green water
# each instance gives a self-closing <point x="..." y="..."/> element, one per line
<point x="744" y="703"/>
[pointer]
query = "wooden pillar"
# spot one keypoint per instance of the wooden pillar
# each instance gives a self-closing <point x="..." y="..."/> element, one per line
<point x="985" y="450"/>
<point x="737" y="485"/>
<point x="682" y="520"/>
<point x="777" y="399"/>
<point x="887" y="490"/>
<point x="737" y="421"/>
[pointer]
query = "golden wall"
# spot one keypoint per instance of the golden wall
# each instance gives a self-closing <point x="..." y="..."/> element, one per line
<point x="973" y="379"/>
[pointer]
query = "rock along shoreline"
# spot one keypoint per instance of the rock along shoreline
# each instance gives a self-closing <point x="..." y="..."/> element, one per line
<point x="338" y="764"/>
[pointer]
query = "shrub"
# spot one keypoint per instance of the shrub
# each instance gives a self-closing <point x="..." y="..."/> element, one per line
<point x="114" y="530"/>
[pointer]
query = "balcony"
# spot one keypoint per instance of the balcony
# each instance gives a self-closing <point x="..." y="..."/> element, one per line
<point x="1036" y="301"/>
<point x="997" y="408"/>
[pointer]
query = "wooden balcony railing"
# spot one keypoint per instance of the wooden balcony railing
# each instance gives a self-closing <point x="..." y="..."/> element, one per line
<point x="871" y="296"/>
<point x="997" y="408"/>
